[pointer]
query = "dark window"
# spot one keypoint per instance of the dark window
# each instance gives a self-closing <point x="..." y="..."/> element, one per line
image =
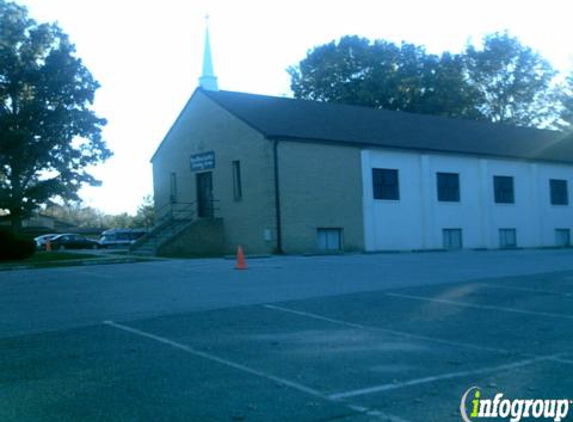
<point x="448" y="187"/>
<point x="503" y="189"/>
<point x="559" y="194"/>
<point x="385" y="184"/>
<point x="237" y="187"/>
<point x="173" y="188"/>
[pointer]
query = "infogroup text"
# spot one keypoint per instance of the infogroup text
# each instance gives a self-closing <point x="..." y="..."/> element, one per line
<point x="474" y="406"/>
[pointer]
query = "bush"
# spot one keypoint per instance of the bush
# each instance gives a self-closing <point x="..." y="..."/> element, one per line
<point x="14" y="246"/>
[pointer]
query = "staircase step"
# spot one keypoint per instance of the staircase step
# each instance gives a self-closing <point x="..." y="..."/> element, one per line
<point x="155" y="239"/>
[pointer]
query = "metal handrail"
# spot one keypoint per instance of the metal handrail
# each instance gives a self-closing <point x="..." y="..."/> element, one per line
<point x="176" y="211"/>
<point x="168" y="216"/>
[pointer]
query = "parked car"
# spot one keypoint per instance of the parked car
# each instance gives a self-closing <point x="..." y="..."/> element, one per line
<point x="120" y="237"/>
<point x="73" y="241"/>
<point x="42" y="240"/>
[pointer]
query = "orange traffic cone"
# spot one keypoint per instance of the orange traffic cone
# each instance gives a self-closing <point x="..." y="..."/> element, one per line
<point x="241" y="263"/>
<point x="48" y="246"/>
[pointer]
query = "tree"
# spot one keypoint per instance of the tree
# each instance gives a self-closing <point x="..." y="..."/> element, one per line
<point x="567" y="102"/>
<point x="83" y="216"/>
<point x="77" y="214"/>
<point x="384" y="75"/>
<point x="515" y="82"/>
<point x="502" y="82"/>
<point x="48" y="133"/>
<point x="145" y="217"/>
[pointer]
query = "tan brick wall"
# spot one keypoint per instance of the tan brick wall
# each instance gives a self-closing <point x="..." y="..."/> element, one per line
<point x="204" y="126"/>
<point x="320" y="183"/>
<point x="321" y="187"/>
<point x="204" y="237"/>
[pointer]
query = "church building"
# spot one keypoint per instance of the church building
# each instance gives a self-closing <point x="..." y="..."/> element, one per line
<point x="279" y="175"/>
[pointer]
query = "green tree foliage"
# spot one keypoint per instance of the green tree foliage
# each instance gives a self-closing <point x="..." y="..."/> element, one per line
<point x="145" y="216"/>
<point x="384" y="75"/>
<point x="48" y="134"/>
<point x="83" y="216"/>
<point x="77" y="215"/>
<point x="567" y="101"/>
<point x="502" y="82"/>
<point x="514" y="82"/>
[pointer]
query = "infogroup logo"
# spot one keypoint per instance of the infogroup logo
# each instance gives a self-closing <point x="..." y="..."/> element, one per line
<point x="515" y="409"/>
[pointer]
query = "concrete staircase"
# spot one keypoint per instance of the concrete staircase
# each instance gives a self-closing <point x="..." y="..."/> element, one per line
<point x="180" y="232"/>
<point x="149" y="244"/>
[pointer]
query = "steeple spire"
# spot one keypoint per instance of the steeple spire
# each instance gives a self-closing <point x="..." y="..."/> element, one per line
<point x="208" y="80"/>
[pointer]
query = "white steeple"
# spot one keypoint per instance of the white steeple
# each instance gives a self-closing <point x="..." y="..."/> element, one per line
<point x="208" y="80"/>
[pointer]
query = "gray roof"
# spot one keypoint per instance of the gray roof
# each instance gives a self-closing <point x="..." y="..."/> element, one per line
<point x="310" y="121"/>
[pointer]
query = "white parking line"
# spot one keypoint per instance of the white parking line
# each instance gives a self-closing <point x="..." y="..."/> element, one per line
<point x="524" y="289"/>
<point x="399" y="385"/>
<point x="214" y="358"/>
<point x="394" y="386"/>
<point x="393" y="332"/>
<point x="483" y="307"/>
<point x="416" y="336"/>
<point x="243" y="368"/>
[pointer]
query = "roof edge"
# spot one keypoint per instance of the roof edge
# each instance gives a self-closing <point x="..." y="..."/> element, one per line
<point x="366" y="145"/>
<point x="174" y="123"/>
<point x="179" y="116"/>
<point x="228" y="110"/>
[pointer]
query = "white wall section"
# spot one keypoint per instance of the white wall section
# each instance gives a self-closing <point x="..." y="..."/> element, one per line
<point x="417" y="218"/>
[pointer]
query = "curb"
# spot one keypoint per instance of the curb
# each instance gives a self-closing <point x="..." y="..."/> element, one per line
<point x="234" y="257"/>
<point x="74" y="263"/>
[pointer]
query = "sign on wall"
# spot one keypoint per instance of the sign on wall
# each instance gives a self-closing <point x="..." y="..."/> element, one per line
<point x="203" y="161"/>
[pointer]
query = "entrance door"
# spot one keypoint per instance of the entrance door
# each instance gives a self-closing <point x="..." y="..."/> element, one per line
<point x="205" y="194"/>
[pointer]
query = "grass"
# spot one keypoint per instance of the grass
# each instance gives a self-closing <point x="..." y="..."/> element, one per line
<point x="44" y="259"/>
<point x="51" y="257"/>
<point x="41" y="256"/>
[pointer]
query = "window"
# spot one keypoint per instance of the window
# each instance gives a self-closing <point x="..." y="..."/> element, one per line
<point x="562" y="238"/>
<point x="237" y="188"/>
<point x="173" y="188"/>
<point x="503" y="189"/>
<point x="448" y="187"/>
<point x="559" y="194"/>
<point x="385" y="184"/>
<point x="452" y="239"/>
<point x="329" y="239"/>
<point x="507" y="238"/>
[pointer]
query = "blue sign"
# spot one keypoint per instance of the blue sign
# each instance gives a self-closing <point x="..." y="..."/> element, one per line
<point x="203" y="161"/>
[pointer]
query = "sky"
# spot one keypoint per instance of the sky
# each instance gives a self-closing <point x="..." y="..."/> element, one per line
<point x="147" y="55"/>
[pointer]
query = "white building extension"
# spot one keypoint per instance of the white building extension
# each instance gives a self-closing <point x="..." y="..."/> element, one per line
<point x="419" y="200"/>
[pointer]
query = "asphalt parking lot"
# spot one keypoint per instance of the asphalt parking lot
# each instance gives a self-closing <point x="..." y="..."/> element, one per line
<point x="397" y="337"/>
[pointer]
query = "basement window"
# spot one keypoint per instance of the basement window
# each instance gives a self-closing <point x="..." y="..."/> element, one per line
<point x="329" y="240"/>
<point x="562" y="238"/>
<point x="507" y="238"/>
<point x="452" y="239"/>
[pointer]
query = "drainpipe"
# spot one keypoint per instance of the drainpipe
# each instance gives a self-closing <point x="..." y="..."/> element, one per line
<point x="279" y="249"/>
